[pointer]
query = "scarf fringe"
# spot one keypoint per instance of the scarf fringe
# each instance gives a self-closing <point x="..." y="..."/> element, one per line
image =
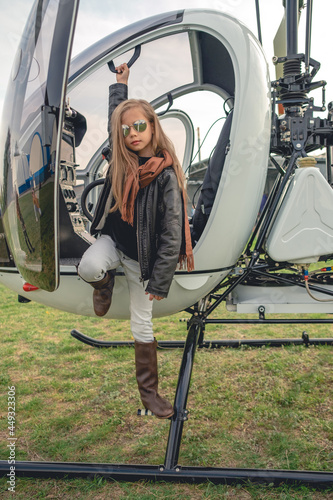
<point x="186" y="261"/>
<point x="187" y="256"/>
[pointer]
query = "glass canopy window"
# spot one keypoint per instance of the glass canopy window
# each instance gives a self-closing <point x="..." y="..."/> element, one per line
<point x="206" y="112"/>
<point x="35" y="90"/>
<point x="155" y="73"/>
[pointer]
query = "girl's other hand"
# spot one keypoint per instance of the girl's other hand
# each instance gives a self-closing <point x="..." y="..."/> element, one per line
<point x="122" y="73"/>
<point x="156" y="297"/>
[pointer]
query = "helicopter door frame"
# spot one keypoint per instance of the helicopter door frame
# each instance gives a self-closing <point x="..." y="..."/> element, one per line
<point x="189" y="132"/>
<point x="33" y="122"/>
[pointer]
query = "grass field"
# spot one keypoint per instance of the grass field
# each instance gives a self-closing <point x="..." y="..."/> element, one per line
<point x="253" y="408"/>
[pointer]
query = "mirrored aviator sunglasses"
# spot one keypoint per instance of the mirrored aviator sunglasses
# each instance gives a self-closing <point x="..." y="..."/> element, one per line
<point x="139" y="126"/>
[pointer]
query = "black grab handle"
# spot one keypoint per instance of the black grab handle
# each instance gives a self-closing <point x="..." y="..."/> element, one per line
<point x="134" y="57"/>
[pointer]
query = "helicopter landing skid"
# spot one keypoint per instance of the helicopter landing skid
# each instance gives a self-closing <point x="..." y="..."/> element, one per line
<point x="171" y="471"/>
<point x="217" y="344"/>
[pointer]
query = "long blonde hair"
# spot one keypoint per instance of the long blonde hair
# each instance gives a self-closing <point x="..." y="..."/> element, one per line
<point x="124" y="161"/>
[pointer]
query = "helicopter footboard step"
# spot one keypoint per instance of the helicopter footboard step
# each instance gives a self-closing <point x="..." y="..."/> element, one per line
<point x="145" y="413"/>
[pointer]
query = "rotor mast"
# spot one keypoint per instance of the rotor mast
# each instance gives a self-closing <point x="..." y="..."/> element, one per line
<point x="292" y="24"/>
<point x="297" y="129"/>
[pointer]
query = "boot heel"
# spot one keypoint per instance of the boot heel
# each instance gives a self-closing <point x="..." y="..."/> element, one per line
<point x="145" y="413"/>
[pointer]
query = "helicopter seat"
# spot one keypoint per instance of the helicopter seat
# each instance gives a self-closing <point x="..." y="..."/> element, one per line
<point x="211" y="182"/>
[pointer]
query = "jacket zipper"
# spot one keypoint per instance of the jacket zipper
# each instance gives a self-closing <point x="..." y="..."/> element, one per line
<point x="138" y="211"/>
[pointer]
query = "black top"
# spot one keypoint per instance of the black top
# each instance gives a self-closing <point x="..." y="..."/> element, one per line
<point x="122" y="233"/>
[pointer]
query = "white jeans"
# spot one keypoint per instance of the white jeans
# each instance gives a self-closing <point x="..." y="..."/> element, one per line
<point x="102" y="256"/>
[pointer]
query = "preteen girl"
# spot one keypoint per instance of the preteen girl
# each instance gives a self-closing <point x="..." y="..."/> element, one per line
<point x="141" y="224"/>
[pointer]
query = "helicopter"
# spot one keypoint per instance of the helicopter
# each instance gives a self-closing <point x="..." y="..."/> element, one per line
<point x="42" y="242"/>
<point x="261" y="205"/>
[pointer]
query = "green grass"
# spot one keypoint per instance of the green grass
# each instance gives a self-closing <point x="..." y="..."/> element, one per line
<point x="253" y="408"/>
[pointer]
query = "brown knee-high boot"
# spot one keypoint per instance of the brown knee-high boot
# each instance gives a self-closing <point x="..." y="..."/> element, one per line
<point x="147" y="378"/>
<point x="103" y="293"/>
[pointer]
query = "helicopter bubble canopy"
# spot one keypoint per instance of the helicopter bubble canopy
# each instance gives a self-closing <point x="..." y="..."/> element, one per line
<point x="30" y="135"/>
<point x="208" y="62"/>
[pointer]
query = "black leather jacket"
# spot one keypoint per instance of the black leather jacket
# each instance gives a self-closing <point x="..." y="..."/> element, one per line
<point x="159" y="219"/>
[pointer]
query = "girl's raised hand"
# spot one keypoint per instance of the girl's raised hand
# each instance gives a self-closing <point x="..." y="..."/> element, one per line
<point x="122" y="73"/>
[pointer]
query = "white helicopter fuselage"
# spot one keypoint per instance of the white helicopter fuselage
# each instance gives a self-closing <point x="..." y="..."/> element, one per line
<point x="239" y="194"/>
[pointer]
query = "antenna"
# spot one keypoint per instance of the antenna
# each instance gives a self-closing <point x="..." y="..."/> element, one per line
<point x="199" y="143"/>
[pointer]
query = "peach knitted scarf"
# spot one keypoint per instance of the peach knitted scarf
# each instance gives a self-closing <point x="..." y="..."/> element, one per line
<point x="147" y="173"/>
